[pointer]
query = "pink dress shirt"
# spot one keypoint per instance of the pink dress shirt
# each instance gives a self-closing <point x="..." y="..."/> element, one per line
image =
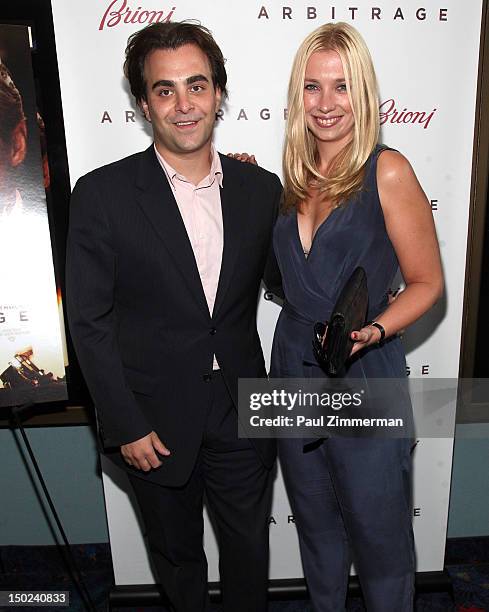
<point x="200" y="208"/>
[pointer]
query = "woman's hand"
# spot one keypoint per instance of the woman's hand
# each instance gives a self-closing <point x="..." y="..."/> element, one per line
<point x="244" y="157"/>
<point x="370" y="334"/>
<point x="364" y="337"/>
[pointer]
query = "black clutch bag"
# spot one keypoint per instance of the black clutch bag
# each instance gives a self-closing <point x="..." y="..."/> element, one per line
<point x="349" y="314"/>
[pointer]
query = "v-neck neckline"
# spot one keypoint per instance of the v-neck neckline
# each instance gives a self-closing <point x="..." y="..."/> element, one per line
<point x="307" y="255"/>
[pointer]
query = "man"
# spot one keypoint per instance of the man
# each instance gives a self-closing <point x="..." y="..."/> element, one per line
<point x="166" y="252"/>
<point x="13" y="141"/>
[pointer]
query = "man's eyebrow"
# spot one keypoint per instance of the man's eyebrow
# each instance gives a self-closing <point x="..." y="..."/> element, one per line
<point x="163" y="83"/>
<point x="192" y="79"/>
<point x="197" y="77"/>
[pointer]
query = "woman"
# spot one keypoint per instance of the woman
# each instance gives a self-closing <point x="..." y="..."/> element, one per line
<point x="349" y="202"/>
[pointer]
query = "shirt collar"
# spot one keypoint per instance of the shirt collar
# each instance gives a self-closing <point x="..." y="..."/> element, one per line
<point x="215" y="171"/>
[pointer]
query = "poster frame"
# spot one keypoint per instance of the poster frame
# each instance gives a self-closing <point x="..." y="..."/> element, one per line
<point x="37" y="15"/>
<point x="476" y="411"/>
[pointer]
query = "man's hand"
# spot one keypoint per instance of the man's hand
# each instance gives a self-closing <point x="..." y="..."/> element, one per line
<point x="141" y="455"/>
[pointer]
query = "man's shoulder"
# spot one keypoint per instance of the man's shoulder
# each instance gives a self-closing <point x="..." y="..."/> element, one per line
<point x="120" y="170"/>
<point x="249" y="172"/>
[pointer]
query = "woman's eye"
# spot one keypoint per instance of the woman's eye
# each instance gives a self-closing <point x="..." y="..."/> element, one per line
<point x="342" y="87"/>
<point x="310" y="87"/>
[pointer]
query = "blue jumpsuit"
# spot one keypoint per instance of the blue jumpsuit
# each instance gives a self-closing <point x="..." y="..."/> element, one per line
<point x="350" y="496"/>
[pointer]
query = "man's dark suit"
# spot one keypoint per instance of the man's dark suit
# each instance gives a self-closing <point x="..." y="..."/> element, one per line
<point x="138" y="314"/>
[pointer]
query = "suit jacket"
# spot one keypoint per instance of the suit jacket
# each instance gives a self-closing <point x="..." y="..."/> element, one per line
<point x="137" y="311"/>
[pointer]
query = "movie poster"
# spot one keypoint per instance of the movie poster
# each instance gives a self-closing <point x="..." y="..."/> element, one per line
<point x="32" y="363"/>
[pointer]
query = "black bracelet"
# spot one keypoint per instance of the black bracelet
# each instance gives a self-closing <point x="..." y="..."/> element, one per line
<point x="381" y="330"/>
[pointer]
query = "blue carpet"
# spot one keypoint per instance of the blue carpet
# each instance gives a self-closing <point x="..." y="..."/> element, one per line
<point x="42" y="568"/>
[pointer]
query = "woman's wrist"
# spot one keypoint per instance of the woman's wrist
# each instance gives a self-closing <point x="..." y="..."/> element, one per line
<point x="378" y="330"/>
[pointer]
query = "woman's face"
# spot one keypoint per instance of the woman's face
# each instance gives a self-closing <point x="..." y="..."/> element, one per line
<point x="329" y="115"/>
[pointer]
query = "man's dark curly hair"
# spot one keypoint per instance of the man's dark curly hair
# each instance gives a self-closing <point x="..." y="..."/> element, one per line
<point x="11" y="109"/>
<point x="171" y="35"/>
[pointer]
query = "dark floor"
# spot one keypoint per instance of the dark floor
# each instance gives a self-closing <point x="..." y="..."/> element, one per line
<point x="41" y="568"/>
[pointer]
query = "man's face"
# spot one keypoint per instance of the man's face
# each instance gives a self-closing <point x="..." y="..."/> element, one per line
<point x="181" y="100"/>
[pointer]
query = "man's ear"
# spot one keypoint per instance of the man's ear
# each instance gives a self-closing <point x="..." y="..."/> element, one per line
<point x="218" y="98"/>
<point x="143" y="105"/>
<point x="18" y="144"/>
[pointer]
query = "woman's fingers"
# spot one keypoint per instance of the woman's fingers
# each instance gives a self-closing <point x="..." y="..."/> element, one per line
<point x="364" y="337"/>
<point x="244" y="157"/>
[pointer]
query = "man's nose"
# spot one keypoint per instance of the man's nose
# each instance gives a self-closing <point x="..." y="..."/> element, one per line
<point x="183" y="102"/>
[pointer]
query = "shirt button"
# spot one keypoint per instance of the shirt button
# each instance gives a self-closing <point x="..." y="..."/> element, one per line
<point x="213" y="331"/>
<point x="207" y="377"/>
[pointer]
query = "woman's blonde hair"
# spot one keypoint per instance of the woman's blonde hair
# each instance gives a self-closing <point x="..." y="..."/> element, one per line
<point x="346" y="172"/>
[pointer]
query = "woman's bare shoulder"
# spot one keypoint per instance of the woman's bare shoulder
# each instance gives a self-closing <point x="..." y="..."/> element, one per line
<point x="392" y="168"/>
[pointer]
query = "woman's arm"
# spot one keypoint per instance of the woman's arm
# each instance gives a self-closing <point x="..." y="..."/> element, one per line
<point x="411" y="229"/>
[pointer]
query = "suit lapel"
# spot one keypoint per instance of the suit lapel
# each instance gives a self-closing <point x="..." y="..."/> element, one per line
<point x="234" y="216"/>
<point x="160" y="207"/>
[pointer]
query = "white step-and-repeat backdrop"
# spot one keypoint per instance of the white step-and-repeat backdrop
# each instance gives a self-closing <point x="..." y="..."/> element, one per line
<point x="426" y="56"/>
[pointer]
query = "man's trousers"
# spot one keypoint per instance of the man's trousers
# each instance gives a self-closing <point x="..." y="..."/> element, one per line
<point x="237" y="488"/>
